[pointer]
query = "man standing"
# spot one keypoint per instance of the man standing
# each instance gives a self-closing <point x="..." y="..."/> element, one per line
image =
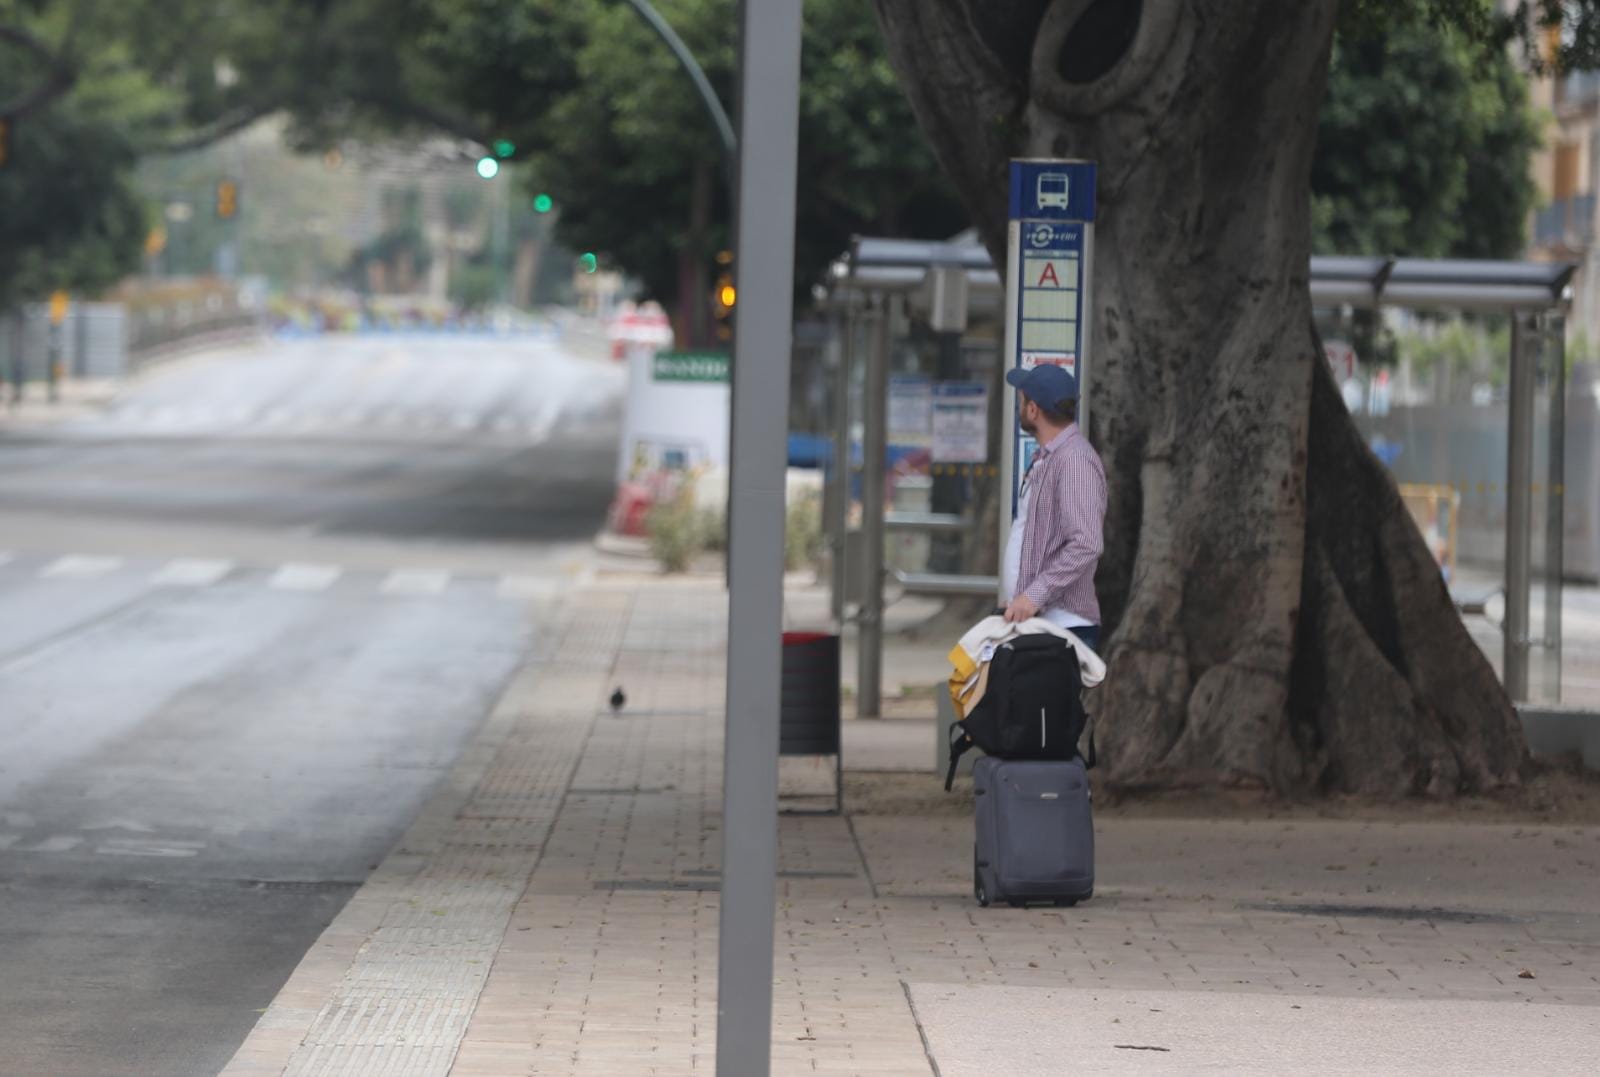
<point x="1056" y="538"/>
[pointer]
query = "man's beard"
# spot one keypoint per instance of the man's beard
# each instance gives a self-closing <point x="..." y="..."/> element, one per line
<point x="1028" y="427"/>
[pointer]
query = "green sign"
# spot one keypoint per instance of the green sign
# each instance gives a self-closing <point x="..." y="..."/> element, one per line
<point x="691" y="366"/>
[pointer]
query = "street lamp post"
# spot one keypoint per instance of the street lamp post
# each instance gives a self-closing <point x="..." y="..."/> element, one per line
<point x="697" y="75"/>
<point x="769" y="105"/>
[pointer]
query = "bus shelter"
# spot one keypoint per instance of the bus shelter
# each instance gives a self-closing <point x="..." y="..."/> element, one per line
<point x="881" y="284"/>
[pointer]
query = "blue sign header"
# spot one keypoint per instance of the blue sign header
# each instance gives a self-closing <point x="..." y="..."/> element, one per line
<point x="1052" y="190"/>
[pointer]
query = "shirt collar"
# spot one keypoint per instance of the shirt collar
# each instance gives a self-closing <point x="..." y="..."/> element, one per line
<point x="1059" y="440"/>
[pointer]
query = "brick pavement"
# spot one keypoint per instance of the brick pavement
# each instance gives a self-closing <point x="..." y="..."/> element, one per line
<point x="555" y="911"/>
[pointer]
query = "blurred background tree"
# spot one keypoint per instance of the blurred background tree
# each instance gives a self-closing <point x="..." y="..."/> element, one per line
<point x="605" y="123"/>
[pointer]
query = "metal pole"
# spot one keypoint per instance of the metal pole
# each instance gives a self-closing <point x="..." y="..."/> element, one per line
<point x="874" y="465"/>
<point x="1519" y="503"/>
<point x="839" y="524"/>
<point x="1555" y="355"/>
<point x="1008" y="409"/>
<point x="502" y="244"/>
<point x="702" y="85"/>
<point x="769" y="108"/>
<point x="53" y="359"/>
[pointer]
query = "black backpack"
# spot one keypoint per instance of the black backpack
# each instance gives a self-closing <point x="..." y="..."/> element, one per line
<point x="1032" y="708"/>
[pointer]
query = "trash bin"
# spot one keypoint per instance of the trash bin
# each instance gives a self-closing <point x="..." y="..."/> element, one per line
<point x="809" y="713"/>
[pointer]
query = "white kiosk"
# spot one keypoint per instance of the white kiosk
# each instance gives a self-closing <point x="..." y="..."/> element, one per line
<point x="677" y="412"/>
<point x="1049" y="258"/>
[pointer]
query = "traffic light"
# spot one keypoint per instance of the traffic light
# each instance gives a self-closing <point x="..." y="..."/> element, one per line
<point x="589" y="262"/>
<point x="723" y="298"/>
<point x="488" y="167"/>
<point x="543" y="203"/>
<point x="5" y="140"/>
<point x="504" y="147"/>
<point x="227" y="199"/>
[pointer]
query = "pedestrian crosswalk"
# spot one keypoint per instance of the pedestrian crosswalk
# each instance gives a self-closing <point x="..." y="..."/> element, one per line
<point x="191" y="572"/>
<point x="415" y="582"/>
<point x="301" y="577"/>
<point x="81" y="566"/>
<point x="297" y="577"/>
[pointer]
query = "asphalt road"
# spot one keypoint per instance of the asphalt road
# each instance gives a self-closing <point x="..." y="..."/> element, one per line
<point x="249" y="615"/>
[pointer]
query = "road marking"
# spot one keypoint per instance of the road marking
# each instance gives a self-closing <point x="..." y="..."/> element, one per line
<point x="192" y="572"/>
<point x="526" y="587"/>
<point x="79" y="566"/>
<point x="416" y="582"/>
<point x="61" y="843"/>
<point x="299" y="577"/>
<point x="120" y="824"/>
<point x="149" y="847"/>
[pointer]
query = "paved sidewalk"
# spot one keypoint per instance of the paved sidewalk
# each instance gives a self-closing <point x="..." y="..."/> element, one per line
<point x="554" y="911"/>
<point x="76" y="398"/>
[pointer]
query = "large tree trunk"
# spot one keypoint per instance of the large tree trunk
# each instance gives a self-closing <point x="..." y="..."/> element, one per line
<point x="1274" y="618"/>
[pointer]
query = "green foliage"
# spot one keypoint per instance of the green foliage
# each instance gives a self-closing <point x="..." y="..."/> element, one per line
<point x="1423" y="144"/>
<point x="802" y="532"/>
<point x="676" y="529"/>
<point x="1463" y="346"/>
<point x="69" y="215"/>
<point x="1423" y="147"/>
<point x="615" y="131"/>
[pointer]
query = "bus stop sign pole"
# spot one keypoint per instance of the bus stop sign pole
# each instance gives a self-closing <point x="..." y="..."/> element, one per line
<point x="769" y="108"/>
<point x="1049" y="263"/>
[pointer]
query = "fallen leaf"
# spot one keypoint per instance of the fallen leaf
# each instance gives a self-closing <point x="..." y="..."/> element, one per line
<point x="1525" y="974"/>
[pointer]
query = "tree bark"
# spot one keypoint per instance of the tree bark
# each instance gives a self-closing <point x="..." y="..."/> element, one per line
<point x="1273" y="616"/>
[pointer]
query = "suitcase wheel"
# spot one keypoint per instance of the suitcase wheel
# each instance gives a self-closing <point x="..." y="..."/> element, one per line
<point x="978" y="890"/>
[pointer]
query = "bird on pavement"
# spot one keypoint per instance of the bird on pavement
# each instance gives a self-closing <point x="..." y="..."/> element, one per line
<point x="618" y="700"/>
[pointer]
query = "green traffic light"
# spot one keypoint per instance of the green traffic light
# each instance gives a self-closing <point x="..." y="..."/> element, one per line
<point x="590" y="262"/>
<point x="543" y="203"/>
<point x="504" y="147"/>
<point x="488" y="167"/>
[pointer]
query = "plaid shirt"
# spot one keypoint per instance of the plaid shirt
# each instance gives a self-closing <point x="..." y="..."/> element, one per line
<point x="1066" y="512"/>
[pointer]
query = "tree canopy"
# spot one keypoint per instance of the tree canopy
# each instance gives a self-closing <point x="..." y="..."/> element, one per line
<point x="612" y="130"/>
<point x="1455" y="185"/>
<point x="595" y="107"/>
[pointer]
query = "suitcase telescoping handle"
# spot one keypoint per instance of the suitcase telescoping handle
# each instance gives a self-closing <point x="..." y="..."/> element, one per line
<point x="960" y="741"/>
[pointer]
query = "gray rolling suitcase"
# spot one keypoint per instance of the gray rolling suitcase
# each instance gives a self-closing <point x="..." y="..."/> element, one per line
<point x="1035" y="832"/>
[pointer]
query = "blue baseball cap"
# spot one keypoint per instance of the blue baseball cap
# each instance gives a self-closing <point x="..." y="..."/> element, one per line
<point x="1046" y="384"/>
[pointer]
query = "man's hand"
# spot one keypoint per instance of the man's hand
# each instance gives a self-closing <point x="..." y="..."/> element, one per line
<point x="1021" y="609"/>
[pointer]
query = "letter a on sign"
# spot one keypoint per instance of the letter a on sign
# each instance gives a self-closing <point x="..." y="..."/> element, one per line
<point x="1049" y="274"/>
